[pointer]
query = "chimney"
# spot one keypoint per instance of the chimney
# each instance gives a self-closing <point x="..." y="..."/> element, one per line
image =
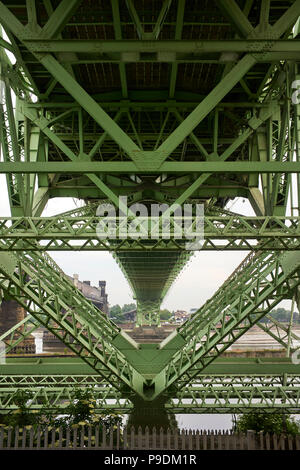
<point x="102" y="285"/>
<point x="75" y="279"/>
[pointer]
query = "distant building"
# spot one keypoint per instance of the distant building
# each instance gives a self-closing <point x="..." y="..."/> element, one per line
<point x="96" y="295"/>
<point x="181" y="316"/>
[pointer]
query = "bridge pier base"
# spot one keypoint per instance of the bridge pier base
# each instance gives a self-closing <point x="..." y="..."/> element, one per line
<point x="151" y="414"/>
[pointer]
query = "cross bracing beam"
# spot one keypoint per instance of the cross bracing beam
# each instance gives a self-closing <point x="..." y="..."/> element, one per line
<point x="42" y="289"/>
<point x="245" y="167"/>
<point x="57" y="399"/>
<point x="28" y="368"/>
<point x="78" y="231"/>
<point x="215" y="399"/>
<point x="18" y="333"/>
<point x="281" y="333"/>
<point x="199" y="384"/>
<point x="249" y="293"/>
<point x="282" y="46"/>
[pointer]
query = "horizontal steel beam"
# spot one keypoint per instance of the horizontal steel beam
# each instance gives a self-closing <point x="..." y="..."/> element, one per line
<point x="167" y="167"/>
<point x="284" y="399"/>
<point x="79" y="232"/>
<point x="28" y="367"/>
<point x="161" y="46"/>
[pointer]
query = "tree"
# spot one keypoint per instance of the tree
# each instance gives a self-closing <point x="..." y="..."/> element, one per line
<point x="267" y="422"/>
<point x="116" y="314"/>
<point x="128" y="307"/>
<point x="115" y="310"/>
<point x="165" y="314"/>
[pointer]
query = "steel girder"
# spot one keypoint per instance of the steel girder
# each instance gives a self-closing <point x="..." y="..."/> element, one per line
<point x="230" y="398"/>
<point x="77" y="231"/>
<point x="80" y="146"/>
<point x="259" y="284"/>
<point x="42" y="289"/>
<point x="227" y="386"/>
<point x="71" y="366"/>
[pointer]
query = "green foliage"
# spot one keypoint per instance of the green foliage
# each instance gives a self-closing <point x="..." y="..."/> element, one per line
<point x="116" y="312"/>
<point x="282" y="315"/>
<point x="128" y="307"/>
<point x="79" y="412"/>
<point x="268" y="423"/>
<point x="21" y="416"/>
<point x="165" y="314"/>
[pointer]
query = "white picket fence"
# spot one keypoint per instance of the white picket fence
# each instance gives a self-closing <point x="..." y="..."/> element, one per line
<point x="92" y="437"/>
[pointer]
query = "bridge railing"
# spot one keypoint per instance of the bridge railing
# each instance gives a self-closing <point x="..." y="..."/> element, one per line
<point x="101" y="438"/>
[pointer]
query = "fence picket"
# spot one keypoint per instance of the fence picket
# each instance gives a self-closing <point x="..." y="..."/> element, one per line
<point x="226" y="441"/>
<point x="281" y="445"/>
<point x="97" y="443"/>
<point x="183" y="434"/>
<point x="74" y="437"/>
<point x="53" y="433"/>
<point x="89" y="442"/>
<point x="68" y="438"/>
<point x="132" y="436"/>
<point x="190" y="440"/>
<point x="169" y="439"/>
<point x="116" y="438"/>
<point x="31" y="437"/>
<point x="153" y="438"/>
<point x="9" y="437"/>
<point x="197" y="440"/>
<point x="161" y="438"/>
<point x="38" y="437"/>
<point x="275" y="442"/>
<point x="205" y="440"/>
<point x="1" y="438"/>
<point x="219" y="439"/>
<point x="290" y="443"/>
<point x="176" y="435"/>
<point x="103" y="446"/>
<point x="111" y="437"/>
<point x="125" y="445"/>
<point x="82" y="433"/>
<point x="147" y="438"/>
<point x="212" y="440"/>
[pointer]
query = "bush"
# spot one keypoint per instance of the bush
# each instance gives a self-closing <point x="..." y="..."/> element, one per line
<point x="268" y="423"/>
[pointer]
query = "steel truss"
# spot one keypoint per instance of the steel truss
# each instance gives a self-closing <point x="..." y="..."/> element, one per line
<point x="77" y="231"/>
<point x="213" y="394"/>
<point x="233" y="133"/>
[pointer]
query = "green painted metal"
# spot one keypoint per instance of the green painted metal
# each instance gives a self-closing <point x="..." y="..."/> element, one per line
<point x="26" y="368"/>
<point x="141" y="107"/>
<point x="280" y="399"/>
<point x="18" y="333"/>
<point x="43" y="290"/>
<point x="257" y="285"/>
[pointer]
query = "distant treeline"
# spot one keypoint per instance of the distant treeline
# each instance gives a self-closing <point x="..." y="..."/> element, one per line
<point x="116" y="312"/>
<point x="282" y="315"/>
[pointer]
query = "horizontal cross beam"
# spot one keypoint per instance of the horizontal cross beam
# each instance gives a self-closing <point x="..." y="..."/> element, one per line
<point x="167" y="167"/>
<point x="162" y="46"/>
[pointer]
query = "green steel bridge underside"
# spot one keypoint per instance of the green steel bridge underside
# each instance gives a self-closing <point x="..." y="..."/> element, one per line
<point x="178" y="103"/>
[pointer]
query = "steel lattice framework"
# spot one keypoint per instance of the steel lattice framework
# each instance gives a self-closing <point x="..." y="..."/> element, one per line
<point x="166" y="103"/>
